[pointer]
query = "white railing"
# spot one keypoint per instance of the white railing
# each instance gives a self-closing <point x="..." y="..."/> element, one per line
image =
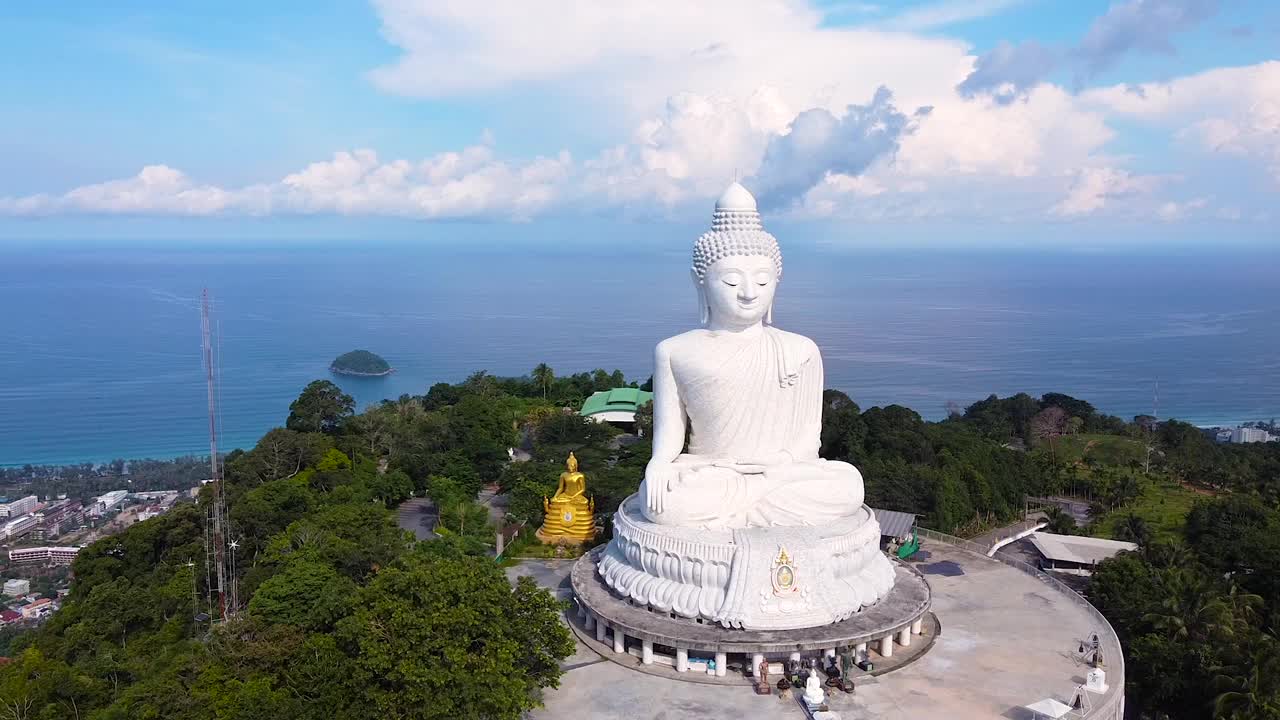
<point x="1111" y="706"/>
<point x="1015" y="537"/>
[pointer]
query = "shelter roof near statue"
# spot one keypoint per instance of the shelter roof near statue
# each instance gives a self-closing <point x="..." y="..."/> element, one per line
<point x="1050" y="708"/>
<point x="1078" y="549"/>
<point x="893" y="523"/>
<point x="616" y="400"/>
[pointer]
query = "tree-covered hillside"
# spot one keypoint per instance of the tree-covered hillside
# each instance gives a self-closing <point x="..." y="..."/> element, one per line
<point x="344" y="615"/>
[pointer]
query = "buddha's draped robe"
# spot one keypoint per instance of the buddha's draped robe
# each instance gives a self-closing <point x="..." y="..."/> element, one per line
<point x="764" y="398"/>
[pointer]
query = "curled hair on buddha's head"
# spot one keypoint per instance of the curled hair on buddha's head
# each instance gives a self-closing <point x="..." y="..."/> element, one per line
<point x="716" y="245"/>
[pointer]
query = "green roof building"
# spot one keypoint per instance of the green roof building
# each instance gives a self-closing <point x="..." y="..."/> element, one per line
<point x="618" y="405"/>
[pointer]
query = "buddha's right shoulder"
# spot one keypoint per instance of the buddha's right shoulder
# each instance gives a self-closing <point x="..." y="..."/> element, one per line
<point x="674" y="344"/>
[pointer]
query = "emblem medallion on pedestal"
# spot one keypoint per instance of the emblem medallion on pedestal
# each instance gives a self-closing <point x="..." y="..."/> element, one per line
<point x="783" y="574"/>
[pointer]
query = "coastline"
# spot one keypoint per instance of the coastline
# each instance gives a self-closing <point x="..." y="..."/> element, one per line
<point x="926" y="329"/>
<point x="354" y="373"/>
<point x="248" y="445"/>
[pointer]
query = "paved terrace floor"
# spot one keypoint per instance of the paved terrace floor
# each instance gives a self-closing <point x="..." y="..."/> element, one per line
<point x="1007" y="640"/>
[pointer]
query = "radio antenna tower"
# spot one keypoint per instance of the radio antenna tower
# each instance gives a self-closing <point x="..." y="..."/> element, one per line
<point x="223" y="581"/>
<point x="1155" y="423"/>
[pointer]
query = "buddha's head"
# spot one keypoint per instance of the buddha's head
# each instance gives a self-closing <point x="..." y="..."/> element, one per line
<point x="736" y="266"/>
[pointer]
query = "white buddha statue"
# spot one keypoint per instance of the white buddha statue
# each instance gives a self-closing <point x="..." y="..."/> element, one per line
<point x="749" y="393"/>
<point x="746" y="527"/>
<point x="814" y="695"/>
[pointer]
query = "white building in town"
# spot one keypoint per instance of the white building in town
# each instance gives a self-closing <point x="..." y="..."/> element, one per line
<point x="17" y="527"/>
<point x="19" y="507"/>
<point x="1250" y="435"/>
<point x="106" y="503"/>
<point x="17" y="587"/>
<point x="39" y="608"/>
<point x="51" y="555"/>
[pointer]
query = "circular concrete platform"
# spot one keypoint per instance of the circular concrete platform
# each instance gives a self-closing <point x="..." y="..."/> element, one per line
<point x="1009" y="638"/>
<point x="894" y="618"/>
<point x="632" y="658"/>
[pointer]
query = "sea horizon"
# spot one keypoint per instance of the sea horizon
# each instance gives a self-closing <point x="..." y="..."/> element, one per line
<point x="103" y="357"/>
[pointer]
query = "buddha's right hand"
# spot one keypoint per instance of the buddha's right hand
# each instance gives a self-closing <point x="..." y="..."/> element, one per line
<point x="659" y="480"/>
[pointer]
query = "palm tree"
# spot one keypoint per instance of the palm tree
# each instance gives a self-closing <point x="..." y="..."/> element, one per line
<point x="1167" y="554"/>
<point x="1134" y="529"/>
<point x="1060" y="521"/>
<point x="1244" y="605"/>
<point x="543" y="376"/>
<point x="1191" y="608"/>
<point x="1250" y="689"/>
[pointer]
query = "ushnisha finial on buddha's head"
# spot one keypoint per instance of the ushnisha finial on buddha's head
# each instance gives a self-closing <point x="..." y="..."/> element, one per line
<point x="750" y="394"/>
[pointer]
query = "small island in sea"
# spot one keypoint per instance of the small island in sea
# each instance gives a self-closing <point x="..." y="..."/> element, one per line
<point x="362" y="363"/>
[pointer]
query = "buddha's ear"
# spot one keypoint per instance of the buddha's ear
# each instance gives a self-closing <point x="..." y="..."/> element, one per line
<point x="768" y="315"/>
<point x="704" y="312"/>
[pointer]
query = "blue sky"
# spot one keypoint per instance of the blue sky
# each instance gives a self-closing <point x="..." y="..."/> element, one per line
<point x="1136" y="120"/>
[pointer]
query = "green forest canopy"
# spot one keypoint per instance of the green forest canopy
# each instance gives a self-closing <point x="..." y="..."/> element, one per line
<point x="324" y="568"/>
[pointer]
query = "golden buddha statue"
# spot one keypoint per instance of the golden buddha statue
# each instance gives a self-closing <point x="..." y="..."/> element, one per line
<point x="569" y="515"/>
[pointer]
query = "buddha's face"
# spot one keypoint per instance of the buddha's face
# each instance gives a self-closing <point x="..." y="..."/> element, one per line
<point x="740" y="288"/>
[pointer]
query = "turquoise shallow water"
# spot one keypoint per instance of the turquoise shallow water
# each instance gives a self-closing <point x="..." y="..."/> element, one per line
<point x="100" y="347"/>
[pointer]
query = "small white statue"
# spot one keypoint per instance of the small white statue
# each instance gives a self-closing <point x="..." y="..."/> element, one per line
<point x="814" y="695"/>
<point x="1096" y="681"/>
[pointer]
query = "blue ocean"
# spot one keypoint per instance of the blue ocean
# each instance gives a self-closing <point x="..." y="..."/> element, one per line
<point x="100" y="345"/>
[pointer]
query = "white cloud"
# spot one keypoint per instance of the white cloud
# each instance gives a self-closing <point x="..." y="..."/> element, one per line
<point x="694" y="148"/>
<point x="1145" y="25"/>
<point x="622" y="61"/>
<point x="700" y="92"/>
<point x="1046" y="133"/>
<point x="1008" y="71"/>
<point x="948" y="12"/>
<point x="1174" y="211"/>
<point x="1233" y="111"/>
<point x="470" y="183"/>
<point x="818" y="143"/>
<point x="1094" y="187"/>
<point x="155" y="189"/>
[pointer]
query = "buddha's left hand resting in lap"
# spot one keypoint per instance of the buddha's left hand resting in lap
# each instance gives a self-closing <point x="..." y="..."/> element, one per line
<point x="751" y="397"/>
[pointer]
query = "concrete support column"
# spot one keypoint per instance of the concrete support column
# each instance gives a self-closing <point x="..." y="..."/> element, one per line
<point x="796" y="656"/>
<point x="582" y="611"/>
<point x="860" y="652"/>
<point x="589" y="621"/>
<point x="917" y="627"/>
<point x="886" y="646"/>
<point x="602" y="627"/>
<point x="904" y="637"/>
<point x="619" y="640"/>
<point x="646" y="652"/>
<point x="829" y="652"/>
<point x="682" y="660"/>
<point x="721" y="661"/>
<point x="755" y="664"/>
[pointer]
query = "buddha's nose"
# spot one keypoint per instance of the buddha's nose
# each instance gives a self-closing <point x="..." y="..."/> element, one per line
<point x="747" y="291"/>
